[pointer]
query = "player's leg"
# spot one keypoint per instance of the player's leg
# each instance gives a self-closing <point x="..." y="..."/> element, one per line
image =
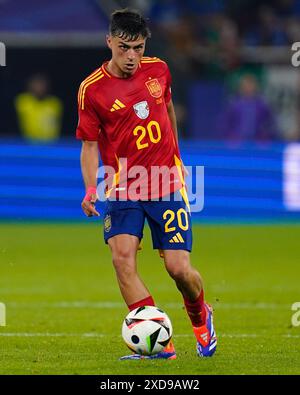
<point x="124" y="253"/>
<point x="190" y="284"/>
<point x="123" y="230"/>
<point x="171" y="231"/>
<point x="186" y="277"/>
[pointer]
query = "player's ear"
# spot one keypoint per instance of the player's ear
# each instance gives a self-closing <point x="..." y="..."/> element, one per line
<point x="108" y="41"/>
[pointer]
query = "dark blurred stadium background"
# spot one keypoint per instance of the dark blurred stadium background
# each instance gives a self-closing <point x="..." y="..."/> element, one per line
<point x="234" y="87"/>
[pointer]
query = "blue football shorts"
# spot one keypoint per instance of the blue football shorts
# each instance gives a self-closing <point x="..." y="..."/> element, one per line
<point x="169" y="221"/>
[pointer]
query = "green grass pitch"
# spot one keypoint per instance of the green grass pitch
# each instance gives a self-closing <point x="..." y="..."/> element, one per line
<point x="64" y="310"/>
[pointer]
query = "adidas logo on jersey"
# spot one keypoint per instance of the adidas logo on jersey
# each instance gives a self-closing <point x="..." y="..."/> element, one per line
<point x="117" y="105"/>
<point x="177" y="238"/>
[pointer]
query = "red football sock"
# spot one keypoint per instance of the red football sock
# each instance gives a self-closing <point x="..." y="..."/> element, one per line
<point x="196" y="310"/>
<point x="143" y="302"/>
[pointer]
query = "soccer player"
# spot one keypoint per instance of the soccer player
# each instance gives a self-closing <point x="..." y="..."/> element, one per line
<point x="126" y="113"/>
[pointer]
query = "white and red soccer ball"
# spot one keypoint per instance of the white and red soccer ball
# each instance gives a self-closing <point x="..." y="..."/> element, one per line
<point x="147" y="330"/>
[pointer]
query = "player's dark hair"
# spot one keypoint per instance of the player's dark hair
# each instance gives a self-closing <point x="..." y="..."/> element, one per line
<point x="128" y="25"/>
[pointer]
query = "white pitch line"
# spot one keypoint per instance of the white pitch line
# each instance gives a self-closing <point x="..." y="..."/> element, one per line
<point x="101" y="335"/>
<point x="117" y="305"/>
<point x="46" y="334"/>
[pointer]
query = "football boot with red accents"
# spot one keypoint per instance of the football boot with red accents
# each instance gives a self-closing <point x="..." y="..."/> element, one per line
<point x="206" y="335"/>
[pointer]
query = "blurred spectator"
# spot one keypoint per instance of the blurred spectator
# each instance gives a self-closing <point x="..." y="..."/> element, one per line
<point x="248" y="117"/>
<point x="165" y="12"/>
<point x="39" y="114"/>
<point x="269" y="29"/>
<point x="287" y="8"/>
<point x="222" y="45"/>
<point x="293" y="29"/>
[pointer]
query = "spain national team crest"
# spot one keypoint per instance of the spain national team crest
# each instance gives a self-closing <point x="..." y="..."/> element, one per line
<point x="154" y="88"/>
<point x="141" y="109"/>
<point x="107" y="223"/>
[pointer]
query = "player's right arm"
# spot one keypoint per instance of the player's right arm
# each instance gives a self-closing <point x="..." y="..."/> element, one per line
<point x="88" y="130"/>
<point x="89" y="160"/>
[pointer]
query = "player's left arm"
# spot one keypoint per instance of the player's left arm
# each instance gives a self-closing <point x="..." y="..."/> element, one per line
<point x="171" y="111"/>
<point x="172" y="116"/>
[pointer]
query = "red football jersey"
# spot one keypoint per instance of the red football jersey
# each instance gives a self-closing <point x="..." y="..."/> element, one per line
<point x="129" y="119"/>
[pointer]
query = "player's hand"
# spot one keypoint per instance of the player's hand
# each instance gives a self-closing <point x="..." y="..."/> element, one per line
<point x="88" y="203"/>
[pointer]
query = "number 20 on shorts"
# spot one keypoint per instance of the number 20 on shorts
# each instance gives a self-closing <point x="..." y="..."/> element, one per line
<point x="182" y="220"/>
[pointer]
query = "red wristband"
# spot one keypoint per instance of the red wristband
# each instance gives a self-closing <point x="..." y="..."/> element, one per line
<point x="89" y="192"/>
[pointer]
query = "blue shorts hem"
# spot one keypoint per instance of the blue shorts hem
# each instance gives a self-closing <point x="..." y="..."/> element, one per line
<point x="122" y="232"/>
<point x="175" y="247"/>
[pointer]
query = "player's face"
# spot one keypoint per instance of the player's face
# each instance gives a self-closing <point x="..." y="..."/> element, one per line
<point x="126" y="55"/>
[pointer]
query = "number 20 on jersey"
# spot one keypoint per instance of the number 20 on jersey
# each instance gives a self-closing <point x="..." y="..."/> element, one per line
<point x="145" y="136"/>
